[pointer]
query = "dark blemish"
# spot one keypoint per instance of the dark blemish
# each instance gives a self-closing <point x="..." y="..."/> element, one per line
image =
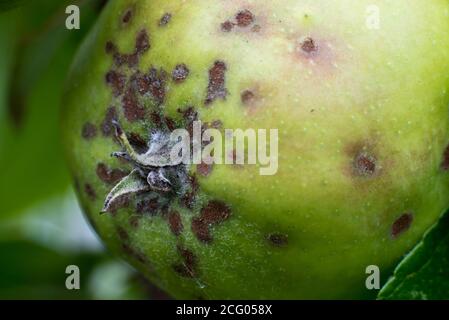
<point x="127" y="16"/>
<point x="227" y="26"/>
<point x="182" y="270"/>
<point x="142" y="42"/>
<point x="187" y="269"/>
<point x="131" y="59"/>
<point x="189" y="197"/>
<point x="110" y="176"/>
<point x="244" y="18"/>
<point x="110" y="48"/>
<point x="308" y="45"/>
<point x="189" y="114"/>
<point x="119" y="203"/>
<point x="175" y="223"/>
<point x="166" y="18"/>
<point x="134" y="221"/>
<point x="364" y="165"/>
<point x="106" y="127"/>
<point x="217" y="79"/>
<point x="194" y="185"/>
<point x="401" y="225"/>
<point x="90" y="192"/>
<point x="204" y="169"/>
<point x="445" y="163"/>
<point x="133" y="111"/>
<point x="247" y="97"/>
<point x="122" y="234"/>
<point x="188" y="200"/>
<point x="189" y="259"/>
<point x="141" y="46"/>
<point x="148" y="206"/>
<point x="201" y="230"/>
<point x="89" y="131"/>
<point x="180" y="73"/>
<point x="156" y="119"/>
<point x="116" y="81"/>
<point x="139" y="83"/>
<point x="139" y="143"/>
<point x="277" y="239"/>
<point x="156" y="81"/>
<point x="170" y="123"/>
<point x="214" y="213"/>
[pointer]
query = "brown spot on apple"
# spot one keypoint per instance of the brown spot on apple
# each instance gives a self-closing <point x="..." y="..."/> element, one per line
<point x="122" y="234"/>
<point x="227" y="26"/>
<point x="217" y="83"/>
<point x="248" y="97"/>
<point x="365" y="164"/>
<point x="116" y="81"/>
<point x="180" y="73"/>
<point x="204" y="169"/>
<point x="244" y="18"/>
<point x="401" y="225"/>
<point x="132" y="109"/>
<point x="106" y="127"/>
<point x="142" y="42"/>
<point x="188" y="199"/>
<point x="89" y="131"/>
<point x="110" y="176"/>
<point x="148" y="206"/>
<point x="156" y="80"/>
<point x="445" y="162"/>
<point x="90" y="192"/>
<point x="121" y="202"/>
<point x="175" y="223"/>
<point x="278" y="239"/>
<point x="215" y="212"/>
<point x="308" y="45"/>
<point x="188" y="267"/>
<point x="317" y="52"/>
<point x="166" y="18"/>
<point x="128" y="15"/>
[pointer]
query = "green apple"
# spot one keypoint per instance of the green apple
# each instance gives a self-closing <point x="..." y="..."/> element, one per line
<point x="359" y="93"/>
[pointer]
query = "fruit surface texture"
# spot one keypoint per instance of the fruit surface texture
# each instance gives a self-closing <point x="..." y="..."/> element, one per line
<point x="359" y="93"/>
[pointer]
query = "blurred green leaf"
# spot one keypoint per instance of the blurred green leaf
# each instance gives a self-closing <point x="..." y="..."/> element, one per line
<point x="10" y="4"/>
<point x="30" y="271"/>
<point x="424" y="273"/>
<point x="34" y="64"/>
<point x="37" y="248"/>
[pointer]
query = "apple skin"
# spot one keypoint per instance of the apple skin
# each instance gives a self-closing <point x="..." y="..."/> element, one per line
<point x="363" y="123"/>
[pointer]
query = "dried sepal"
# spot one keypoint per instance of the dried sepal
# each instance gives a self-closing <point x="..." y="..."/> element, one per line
<point x="158" y="154"/>
<point x="132" y="183"/>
